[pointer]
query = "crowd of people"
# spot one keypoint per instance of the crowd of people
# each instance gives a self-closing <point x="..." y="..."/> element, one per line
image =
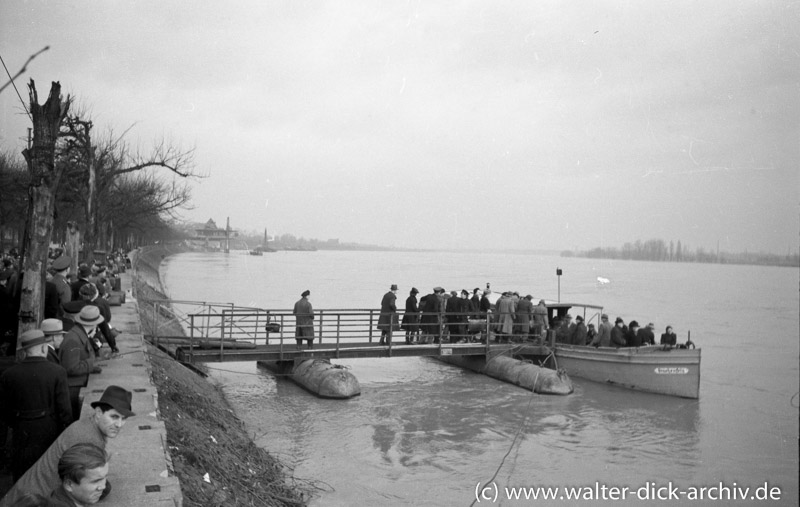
<point x="56" y="457"/>
<point x="65" y="294"/>
<point x="461" y="317"/>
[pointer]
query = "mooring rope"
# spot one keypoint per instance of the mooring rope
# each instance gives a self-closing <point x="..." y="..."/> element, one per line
<point x="516" y="436"/>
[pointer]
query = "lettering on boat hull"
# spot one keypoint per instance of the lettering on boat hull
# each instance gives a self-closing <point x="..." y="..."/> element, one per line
<point x="671" y="371"/>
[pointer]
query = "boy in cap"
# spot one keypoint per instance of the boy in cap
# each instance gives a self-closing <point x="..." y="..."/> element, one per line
<point x="34" y="402"/>
<point x="106" y="421"/>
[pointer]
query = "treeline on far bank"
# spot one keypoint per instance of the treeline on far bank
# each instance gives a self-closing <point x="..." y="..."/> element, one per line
<point x="660" y="251"/>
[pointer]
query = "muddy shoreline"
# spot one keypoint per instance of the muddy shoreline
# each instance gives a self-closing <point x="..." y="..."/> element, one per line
<point x="213" y="456"/>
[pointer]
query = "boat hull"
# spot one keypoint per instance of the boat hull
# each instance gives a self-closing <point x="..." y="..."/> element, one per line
<point x="653" y="369"/>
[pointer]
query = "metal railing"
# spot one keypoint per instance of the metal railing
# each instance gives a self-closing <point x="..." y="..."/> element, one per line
<point x="334" y="328"/>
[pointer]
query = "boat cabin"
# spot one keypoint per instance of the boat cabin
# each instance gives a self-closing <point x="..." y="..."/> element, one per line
<point x="590" y="313"/>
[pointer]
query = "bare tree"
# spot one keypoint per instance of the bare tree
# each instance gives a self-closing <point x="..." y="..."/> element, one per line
<point x="45" y="177"/>
<point x="104" y="164"/>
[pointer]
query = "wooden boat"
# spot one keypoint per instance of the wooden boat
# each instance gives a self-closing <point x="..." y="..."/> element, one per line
<point x="653" y="369"/>
<point x="674" y="371"/>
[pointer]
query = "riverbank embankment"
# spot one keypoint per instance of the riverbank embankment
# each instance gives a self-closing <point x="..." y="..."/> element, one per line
<point x="212" y="454"/>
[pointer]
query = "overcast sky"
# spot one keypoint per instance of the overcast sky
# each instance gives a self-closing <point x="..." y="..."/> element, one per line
<point x="511" y="124"/>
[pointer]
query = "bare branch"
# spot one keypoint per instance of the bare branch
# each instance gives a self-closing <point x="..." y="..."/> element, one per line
<point x="24" y="68"/>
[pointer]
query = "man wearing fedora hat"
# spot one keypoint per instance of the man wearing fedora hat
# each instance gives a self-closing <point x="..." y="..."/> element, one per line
<point x="106" y="421"/>
<point x="90" y="294"/>
<point x="34" y="402"/>
<point x="411" y="317"/>
<point x="77" y="355"/>
<point x="53" y="330"/>
<point x="388" y="322"/>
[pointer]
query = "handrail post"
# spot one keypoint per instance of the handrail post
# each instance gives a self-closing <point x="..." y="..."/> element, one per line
<point x="338" y="332"/>
<point x="280" y="346"/>
<point x="191" y="338"/>
<point x="266" y="335"/>
<point x="221" y="334"/>
<point x="370" y="325"/>
<point x="321" y="318"/>
<point x="488" y="327"/>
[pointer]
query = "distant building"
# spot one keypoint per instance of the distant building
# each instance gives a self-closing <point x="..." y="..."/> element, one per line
<point x="212" y="237"/>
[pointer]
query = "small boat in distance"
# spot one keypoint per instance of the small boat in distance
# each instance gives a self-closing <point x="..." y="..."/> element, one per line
<point x="259" y="250"/>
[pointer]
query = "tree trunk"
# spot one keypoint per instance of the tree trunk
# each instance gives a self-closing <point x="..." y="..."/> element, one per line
<point x="91" y="233"/>
<point x="45" y="177"/>
<point x="72" y="245"/>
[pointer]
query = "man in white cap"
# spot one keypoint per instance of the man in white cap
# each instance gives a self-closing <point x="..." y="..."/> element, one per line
<point x="53" y="330"/>
<point x="106" y="421"/>
<point x="34" y="402"/>
<point x="77" y="355"/>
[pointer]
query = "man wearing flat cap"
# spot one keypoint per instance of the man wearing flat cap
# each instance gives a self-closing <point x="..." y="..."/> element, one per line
<point x="541" y="320"/>
<point x="106" y="421"/>
<point x="603" y="336"/>
<point x="84" y="272"/>
<point x="34" y="402"/>
<point x="304" y="320"/>
<point x="77" y="355"/>
<point x="388" y="321"/>
<point x="61" y="268"/>
<point x="618" y="333"/>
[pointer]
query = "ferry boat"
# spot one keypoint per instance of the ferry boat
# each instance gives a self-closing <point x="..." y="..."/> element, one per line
<point x="674" y="371"/>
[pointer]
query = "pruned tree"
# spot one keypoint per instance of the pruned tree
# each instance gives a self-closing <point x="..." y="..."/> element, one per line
<point x="98" y="167"/>
<point x="45" y="176"/>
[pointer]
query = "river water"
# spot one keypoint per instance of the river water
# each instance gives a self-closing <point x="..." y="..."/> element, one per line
<point x="425" y="433"/>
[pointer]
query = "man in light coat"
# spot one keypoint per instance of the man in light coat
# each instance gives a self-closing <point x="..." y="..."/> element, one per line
<point x="77" y="355"/>
<point x="304" y="320"/>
